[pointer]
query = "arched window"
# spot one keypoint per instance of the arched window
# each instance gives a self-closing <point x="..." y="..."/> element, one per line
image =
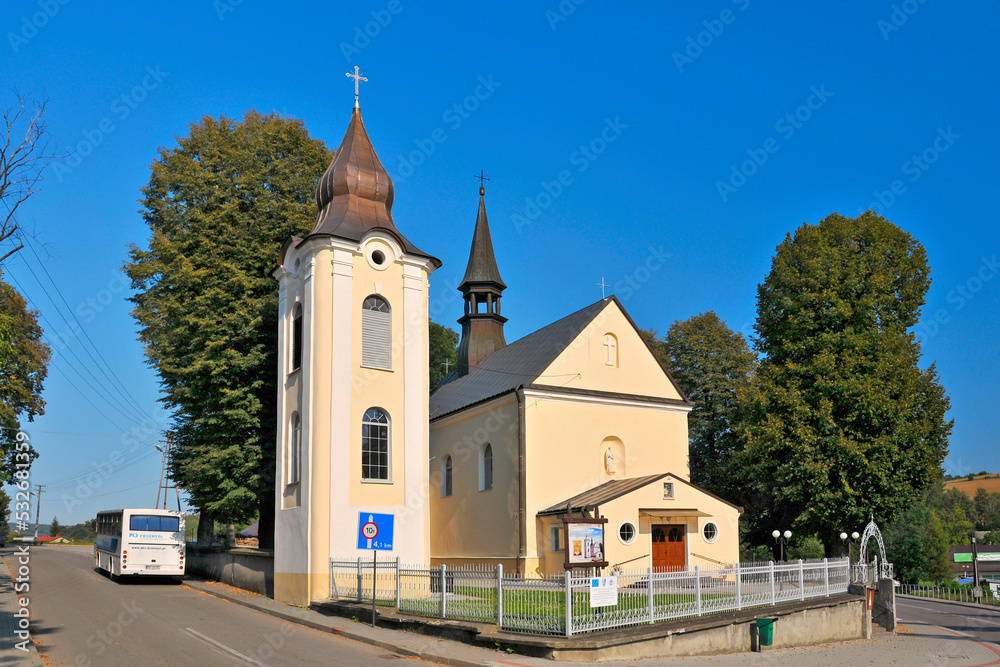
<point x="375" y="445"/>
<point x="446" y="474"/>
<point x="297" y="337"/>
<point x="376" y="333"/>
<point x="294" y="449"/>
<point x="486" y="468"/>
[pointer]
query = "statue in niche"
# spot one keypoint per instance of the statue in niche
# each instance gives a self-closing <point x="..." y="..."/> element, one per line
<point x="609" y="461"/>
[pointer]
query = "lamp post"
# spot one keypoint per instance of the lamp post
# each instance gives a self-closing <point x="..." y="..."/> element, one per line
<point x="781" y="538"/>
<point x="849" y="545"/>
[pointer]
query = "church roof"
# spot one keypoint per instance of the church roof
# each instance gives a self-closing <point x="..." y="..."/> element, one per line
<point x="520" y="363"/>
<point x="617" y="488"/>
<point x="482" y="267"/>
<point x="355" y="194"/>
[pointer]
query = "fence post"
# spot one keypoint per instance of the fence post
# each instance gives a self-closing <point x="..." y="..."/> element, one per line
<point x="771" y="569"/>
<point x="444" y="590"/>
<point x="826" y="576"/>
<point x="739" y="588"/>
<point x="649" y="591"/>
<point x="500" y="595"/>
<point x="399" y="587"/>
<point x="697" y="589"/>
<point x="359" y="579"/>
<point x="802" y="582"/>
<point x="569" y="603"/>
<point x="332" y="580"/>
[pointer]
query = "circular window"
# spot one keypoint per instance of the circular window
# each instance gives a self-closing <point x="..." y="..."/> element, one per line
<point x="378" y="257"/>
<point x="298" y="264"/>
<point x="626" y="533"/>
<point x="710" y="532"/>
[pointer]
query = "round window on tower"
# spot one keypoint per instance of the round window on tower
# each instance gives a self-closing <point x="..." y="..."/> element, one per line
<point x="379" y="257"/>
<point x="627" y="533"/>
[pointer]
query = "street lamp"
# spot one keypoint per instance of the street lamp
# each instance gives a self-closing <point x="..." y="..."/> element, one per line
<point x="782" y="539"/>
<point x="848" y="545"/>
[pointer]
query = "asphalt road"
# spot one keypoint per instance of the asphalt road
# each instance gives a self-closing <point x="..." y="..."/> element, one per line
<point x="983" y="622"/>
<point x="82" y="618"/>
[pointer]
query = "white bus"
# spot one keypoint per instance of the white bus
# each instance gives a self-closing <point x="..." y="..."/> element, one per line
<point x="140" y="541"/>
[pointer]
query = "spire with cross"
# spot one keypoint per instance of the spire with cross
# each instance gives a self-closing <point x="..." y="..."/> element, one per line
<point x="482" y="181"/>
<point x="603" y="285"/>
<point x="357" y="80"/>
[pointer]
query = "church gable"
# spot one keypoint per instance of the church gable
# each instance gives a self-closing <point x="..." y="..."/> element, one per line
<point x="610" y="355"/>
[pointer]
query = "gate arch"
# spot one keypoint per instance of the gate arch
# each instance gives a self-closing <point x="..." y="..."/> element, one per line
<point x="881" y="562"/>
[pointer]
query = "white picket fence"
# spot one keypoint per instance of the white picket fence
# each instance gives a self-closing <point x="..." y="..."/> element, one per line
<point x="539" y="604"/>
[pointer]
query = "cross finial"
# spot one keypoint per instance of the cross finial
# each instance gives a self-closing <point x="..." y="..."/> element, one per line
<point x="447" y="365"/>
<point x="602" y="285"/>
<point x="357" y="79"/>
<point x="482" y="181"/>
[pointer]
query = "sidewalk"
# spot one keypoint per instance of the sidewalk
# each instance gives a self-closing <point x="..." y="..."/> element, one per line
<point x="8" y="621"/>
<point x="915" y="645"/>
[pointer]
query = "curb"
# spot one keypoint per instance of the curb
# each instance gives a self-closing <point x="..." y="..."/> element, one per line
<point x="347" y="634"/>
<point x="33" y="657"/>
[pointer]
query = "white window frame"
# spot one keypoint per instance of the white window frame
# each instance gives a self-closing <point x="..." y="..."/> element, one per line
<point x="293" y="458"/>
<point x="388" y="446"/>
<point x="484" y="483"/>
<point x="298" y="313"/>
<point x="705" y="528"/>
<point x="635" y="532"/>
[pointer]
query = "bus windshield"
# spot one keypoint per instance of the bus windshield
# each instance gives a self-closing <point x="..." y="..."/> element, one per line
<point x="148" y="522"/>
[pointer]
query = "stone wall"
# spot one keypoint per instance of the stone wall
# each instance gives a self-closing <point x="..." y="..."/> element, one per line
<point x="249" y="569"/>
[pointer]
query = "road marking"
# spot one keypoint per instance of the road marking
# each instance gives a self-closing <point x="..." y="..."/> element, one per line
<point x="982" y="620"/>
<point x="223" y="648"/>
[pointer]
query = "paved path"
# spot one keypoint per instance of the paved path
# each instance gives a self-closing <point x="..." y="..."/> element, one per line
<point x="203" y="623"/>
<point x="980" y="621"/>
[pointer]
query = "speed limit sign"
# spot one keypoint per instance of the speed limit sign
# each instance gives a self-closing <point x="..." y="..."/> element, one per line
<point x="369" y="530"/>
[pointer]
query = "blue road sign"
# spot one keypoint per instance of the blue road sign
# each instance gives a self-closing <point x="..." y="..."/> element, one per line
<point x="375" y="531"/>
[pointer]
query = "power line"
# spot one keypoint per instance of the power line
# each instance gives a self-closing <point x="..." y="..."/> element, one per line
<point x="123" y="392"/>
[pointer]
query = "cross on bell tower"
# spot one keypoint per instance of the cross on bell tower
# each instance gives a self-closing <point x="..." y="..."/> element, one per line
<point x="357" y="80"/>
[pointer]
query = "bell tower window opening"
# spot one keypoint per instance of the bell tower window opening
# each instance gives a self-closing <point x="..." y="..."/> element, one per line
<point x="376" y="333"/>
<point x="297" y="337"/>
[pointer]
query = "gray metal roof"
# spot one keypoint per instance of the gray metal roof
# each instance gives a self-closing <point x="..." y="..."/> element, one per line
<point x="602" y="494"/>
<point x="520" y="363"/>
<point x="482" y="267"/>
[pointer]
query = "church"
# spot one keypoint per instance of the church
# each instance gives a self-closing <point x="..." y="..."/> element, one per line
<point x="568" y="447"/>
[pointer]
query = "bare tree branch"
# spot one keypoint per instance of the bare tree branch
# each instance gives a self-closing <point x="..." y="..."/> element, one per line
<point x="22" y="160"/>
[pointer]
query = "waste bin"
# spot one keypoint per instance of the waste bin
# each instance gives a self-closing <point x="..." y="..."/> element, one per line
<point x="765" y="631"/>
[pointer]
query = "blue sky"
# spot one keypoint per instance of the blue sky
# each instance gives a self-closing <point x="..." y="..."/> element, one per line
<point x="664" y="147"/>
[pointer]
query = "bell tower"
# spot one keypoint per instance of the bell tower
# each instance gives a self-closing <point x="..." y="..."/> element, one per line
<point x="482" y="288"/>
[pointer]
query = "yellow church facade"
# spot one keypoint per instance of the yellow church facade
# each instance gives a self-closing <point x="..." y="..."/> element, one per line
<point x="577" y="420"/>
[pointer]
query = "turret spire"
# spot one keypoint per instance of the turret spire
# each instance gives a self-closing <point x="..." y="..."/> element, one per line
<point x="482" y="288"/>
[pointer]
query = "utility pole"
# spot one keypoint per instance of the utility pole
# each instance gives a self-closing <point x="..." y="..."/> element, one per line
<point x="975" y="565"/>
<point x="38" y="509"/>
<point x="168" y="445"/>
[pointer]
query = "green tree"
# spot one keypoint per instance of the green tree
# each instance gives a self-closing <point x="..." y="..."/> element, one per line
<point x="987" y="509"/>
<point x="54" y="527"/>
<point x="809" y="546"/>
<point x="219" y="205"/>
<point x="443" y="353"/>
<point x="992" y="537"/>
<point x="24" y="360"/>
<point x="710" y="363"/>
<point x="906" y="543"/>
<point x="840" y="421"/>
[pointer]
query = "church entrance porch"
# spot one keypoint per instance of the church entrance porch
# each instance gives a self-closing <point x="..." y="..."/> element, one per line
<point x="669" y="547"/>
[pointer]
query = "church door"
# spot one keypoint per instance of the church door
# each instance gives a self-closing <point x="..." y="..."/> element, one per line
<point x="669" y="552"/>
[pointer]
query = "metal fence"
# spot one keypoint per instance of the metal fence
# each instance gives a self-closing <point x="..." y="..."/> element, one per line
<point x="952" y="593"/>
<point x="560" y="604"/>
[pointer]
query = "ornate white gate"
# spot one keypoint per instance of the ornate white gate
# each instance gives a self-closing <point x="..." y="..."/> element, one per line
<point x="880" y="568"/>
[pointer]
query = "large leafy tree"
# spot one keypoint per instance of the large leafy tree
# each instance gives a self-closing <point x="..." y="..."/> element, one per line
<point x="841" y="422"/>
<point x="443" y="353"/>
<point x="219" y="205"/>
<point x="711" y="362"/>
<point x="24" y="360"/>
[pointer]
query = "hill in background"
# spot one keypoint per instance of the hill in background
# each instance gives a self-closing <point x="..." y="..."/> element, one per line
<point x="990" y="482"/>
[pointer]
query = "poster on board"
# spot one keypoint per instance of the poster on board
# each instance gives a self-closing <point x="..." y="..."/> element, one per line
<point x="585" y="543"/>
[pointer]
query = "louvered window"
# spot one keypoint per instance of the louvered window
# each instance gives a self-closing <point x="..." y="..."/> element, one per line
<point x="375" y="445"/>
<point x="297" y="337"/>
<point x="376" y="329"/>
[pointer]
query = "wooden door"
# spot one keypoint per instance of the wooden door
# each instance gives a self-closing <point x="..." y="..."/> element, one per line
<point x="669" y="551"/>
